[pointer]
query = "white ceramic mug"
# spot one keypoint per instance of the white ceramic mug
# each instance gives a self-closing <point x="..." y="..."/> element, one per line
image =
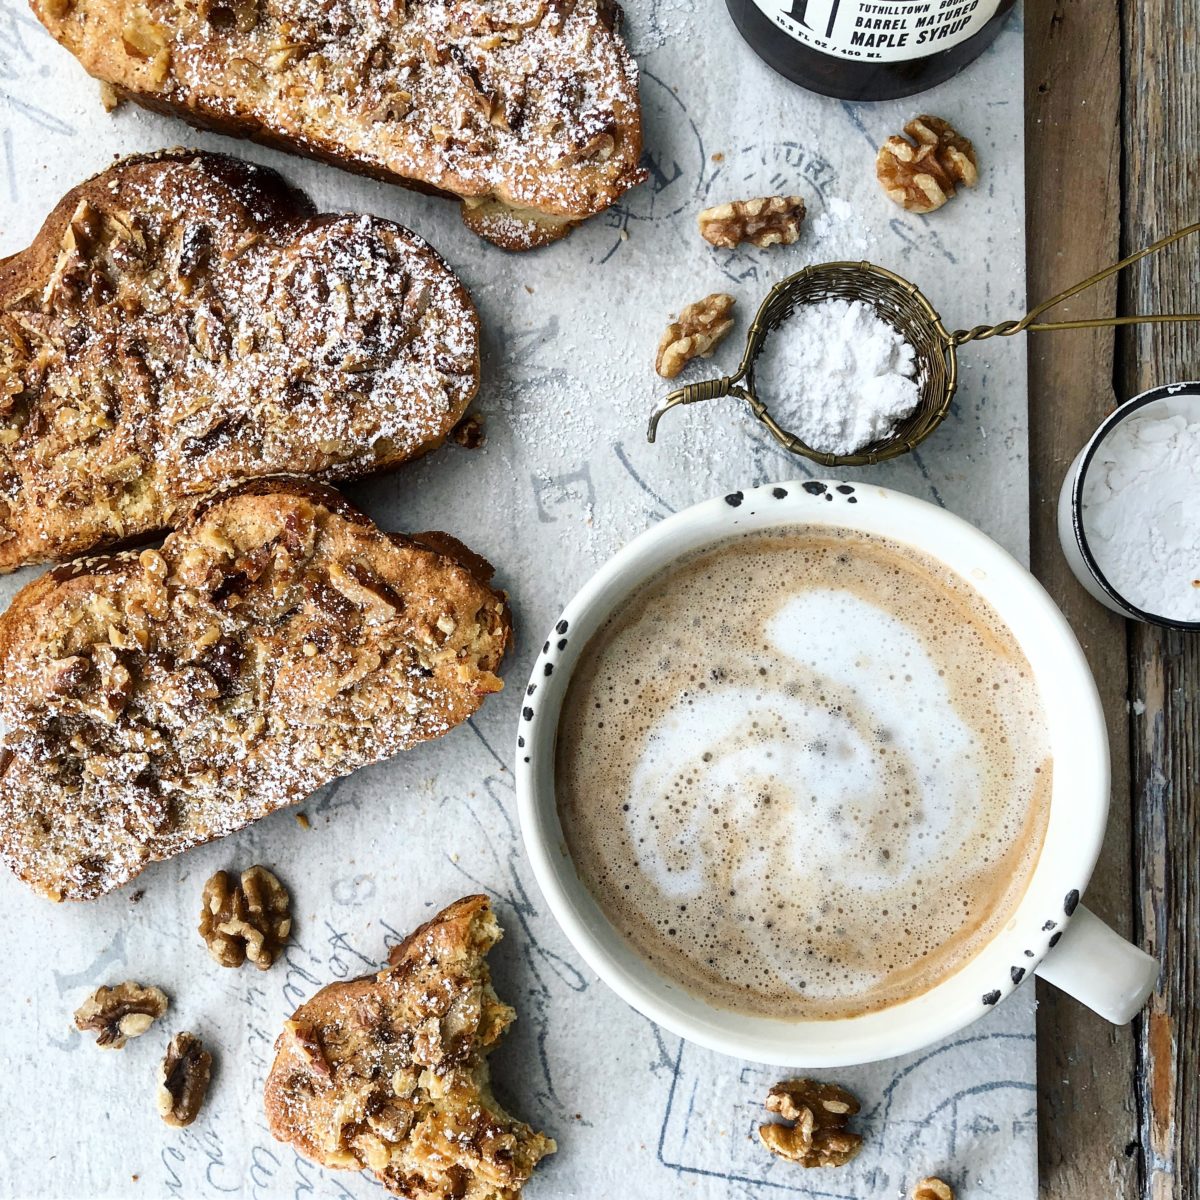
<point x="1050" y="934"/>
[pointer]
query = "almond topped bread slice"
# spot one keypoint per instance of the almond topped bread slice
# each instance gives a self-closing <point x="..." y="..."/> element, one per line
<point x="184" y="321"/>
<point x="157" y="699"/>
<point x="527" y="110"/>
<point x="389" y="1072"/>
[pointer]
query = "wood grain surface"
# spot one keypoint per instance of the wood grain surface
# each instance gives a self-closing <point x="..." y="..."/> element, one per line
<point x="1161" y="193"/>
<point x="1113" y="139"/>
<point x="1088" y="1113"/>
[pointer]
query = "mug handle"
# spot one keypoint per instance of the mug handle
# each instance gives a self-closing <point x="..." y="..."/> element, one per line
<point x="1100" y="968"/>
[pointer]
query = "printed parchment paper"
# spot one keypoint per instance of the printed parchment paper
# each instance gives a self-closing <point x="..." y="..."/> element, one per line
<point x="566" y="477"/>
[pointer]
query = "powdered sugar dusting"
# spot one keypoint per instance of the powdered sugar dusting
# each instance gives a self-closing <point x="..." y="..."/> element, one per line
<point x="840" y="229"/>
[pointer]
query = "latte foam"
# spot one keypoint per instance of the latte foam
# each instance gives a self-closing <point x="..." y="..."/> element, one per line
<point x="806" y="773"/>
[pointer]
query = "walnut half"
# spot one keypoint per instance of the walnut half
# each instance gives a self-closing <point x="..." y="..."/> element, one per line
<point x="695" y="335"/>
<point x="818" y="1136"/>
<point x="249" y="919"/>
<point x="922" y="174"/>
<point x="183" y="1079"/>
<point x="121" y="1012"/>
<point x="763" y="221"/>
<point x="932" y="1188"/>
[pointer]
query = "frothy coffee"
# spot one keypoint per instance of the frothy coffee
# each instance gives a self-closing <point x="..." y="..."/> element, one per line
<point x="806" y="773"/>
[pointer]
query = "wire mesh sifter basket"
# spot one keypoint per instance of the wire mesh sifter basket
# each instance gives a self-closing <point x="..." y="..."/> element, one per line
<point x="902" y="305"/>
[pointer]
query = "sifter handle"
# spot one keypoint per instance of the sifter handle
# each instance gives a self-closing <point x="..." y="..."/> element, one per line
<point x="1029" y="321"/>
<point x="693" y="393"/>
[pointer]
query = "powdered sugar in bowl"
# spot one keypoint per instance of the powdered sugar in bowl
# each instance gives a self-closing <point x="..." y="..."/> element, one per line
<point x="1129" y="509"/>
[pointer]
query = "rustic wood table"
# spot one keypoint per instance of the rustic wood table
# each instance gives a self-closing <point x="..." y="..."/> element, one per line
<point x="1113" y="162"/>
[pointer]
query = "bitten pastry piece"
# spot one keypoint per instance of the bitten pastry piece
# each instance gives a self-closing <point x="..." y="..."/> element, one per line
<point x="277" y="641"/>
<point x="389" y="1072"/>
<point x="526" y="109"/>
<point x="184" y="320"/>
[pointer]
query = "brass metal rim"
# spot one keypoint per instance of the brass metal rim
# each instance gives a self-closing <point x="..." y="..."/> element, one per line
<point x="898" y="301"/>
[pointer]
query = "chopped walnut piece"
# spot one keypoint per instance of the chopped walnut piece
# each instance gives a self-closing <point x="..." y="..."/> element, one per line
<point x="247" y="920"/>
<point x="922" y="174"/>
<point x="695" y="335"/>
<point x="932" y="1189"/>
<point x="145" y="38"/>
<point x="153" y="565"/>
<point x="764" y="221"/>
<point x="818" y="1136"/>
<point x="183" y="1079"/>
<point x="468" y="433"/>
<point x="121" y="1012"/>
<point x="308" y="1041"/>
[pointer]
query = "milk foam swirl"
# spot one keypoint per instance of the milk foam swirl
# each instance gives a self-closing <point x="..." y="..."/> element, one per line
<point x="804" y="798"/>
<point x="805" y="784"/>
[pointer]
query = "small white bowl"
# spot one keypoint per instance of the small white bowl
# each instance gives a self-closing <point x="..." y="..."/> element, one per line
<point x="1171" y="399"/>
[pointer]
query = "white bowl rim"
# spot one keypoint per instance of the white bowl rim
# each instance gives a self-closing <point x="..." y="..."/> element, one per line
<point x="1163" y="391"/>
<point x="1069" y="852"/>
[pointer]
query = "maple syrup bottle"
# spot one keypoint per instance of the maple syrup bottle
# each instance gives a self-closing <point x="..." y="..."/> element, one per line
<point x="868" y="49"/>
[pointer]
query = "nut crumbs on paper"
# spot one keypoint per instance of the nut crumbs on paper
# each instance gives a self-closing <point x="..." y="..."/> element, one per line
<point x="932" y="1188"/>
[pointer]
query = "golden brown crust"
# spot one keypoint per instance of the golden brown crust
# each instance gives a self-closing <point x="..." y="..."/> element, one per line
<point x="389" y="1072"/>
<point x="185" y="320"/>
<point x="511" y="228"/>
<point x="277" y="641"/>
<point x="529" y="107"/>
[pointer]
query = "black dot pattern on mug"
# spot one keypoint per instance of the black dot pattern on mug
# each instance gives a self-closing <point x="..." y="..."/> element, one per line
<point x="547" y="669"/>
<point x="1017" y="973"/>
<point x="813" y="488"/>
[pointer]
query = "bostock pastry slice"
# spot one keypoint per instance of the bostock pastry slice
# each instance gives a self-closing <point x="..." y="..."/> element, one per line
<point x="157" y="699"/>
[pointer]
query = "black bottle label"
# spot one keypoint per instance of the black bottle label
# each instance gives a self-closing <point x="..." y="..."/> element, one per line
<point x="879" y="30"/>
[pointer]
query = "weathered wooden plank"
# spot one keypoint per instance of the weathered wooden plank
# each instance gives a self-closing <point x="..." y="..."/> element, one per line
<point x="1162" y="152"/>
<point x="1073" y="88"/>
